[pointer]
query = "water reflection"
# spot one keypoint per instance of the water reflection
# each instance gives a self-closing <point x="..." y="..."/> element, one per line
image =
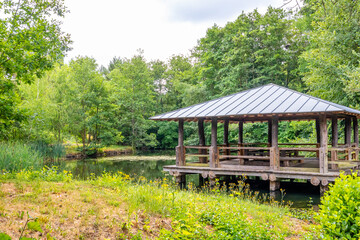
<point x="151" y="167"/>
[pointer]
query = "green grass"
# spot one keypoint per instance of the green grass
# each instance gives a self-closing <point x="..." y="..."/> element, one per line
<point x="72" y="148"/>
<point x="114" y="206"/>
<point x="15" y="156"/>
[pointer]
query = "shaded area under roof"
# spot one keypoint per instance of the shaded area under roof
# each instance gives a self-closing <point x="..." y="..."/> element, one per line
<point x="266" y="100"/>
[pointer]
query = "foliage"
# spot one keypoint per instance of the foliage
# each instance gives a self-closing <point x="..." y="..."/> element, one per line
<point x="16" y="156"/>
<point x="80" y="102"/>
<point x="134" y="96"/>
<point x="253" y="50"/>
<point x="339" y="214"/>
<point x="331" y="64"/>
<point x="31" y="42"/>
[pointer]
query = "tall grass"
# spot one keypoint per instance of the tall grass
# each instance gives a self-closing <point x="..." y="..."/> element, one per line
<point x="49" y="151"/>
<point x="16" y="156"/>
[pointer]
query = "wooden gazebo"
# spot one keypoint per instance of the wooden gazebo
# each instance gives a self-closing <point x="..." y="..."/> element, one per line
<point x="319" y="162"/>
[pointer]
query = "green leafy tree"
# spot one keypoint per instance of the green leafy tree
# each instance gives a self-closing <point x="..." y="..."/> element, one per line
<point x="133" y="94"/>
<point x="44" y="100"/>
<point x="86" y="99"/>
<point x="31" y="42"/>
<point x="331" y="64"/>
<point x="253" y="50"/>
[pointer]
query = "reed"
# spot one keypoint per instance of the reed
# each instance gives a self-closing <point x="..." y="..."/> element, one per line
<point x="16" y="156"/>
<point x="49" y="151"/>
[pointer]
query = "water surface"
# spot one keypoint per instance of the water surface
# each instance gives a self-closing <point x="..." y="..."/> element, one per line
<point x="151" y="165"/>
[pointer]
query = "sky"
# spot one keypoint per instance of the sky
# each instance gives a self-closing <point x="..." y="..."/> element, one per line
<point x="161" y="28"/>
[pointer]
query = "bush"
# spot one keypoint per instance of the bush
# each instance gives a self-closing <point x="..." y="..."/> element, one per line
<point x="16" y="156"/>
<point x="339" y="214"/>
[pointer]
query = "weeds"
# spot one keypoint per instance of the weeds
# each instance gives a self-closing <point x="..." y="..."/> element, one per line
<point x="16" y="156"/>
<point x="210" y="213"/>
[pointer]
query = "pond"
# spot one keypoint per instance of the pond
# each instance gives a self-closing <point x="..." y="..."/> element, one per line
<point x="150" y="165"/>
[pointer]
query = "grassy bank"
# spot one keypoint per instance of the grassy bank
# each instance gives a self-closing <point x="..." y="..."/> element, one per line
<point x="116" y="207"/>
<point x="74" y="149"/>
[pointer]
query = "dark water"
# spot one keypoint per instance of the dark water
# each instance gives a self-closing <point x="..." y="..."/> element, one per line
<point x="151" y="167"/>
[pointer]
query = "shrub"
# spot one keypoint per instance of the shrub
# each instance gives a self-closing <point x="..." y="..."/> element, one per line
<point x="16" y="156"/>
<point x="339" y="214"/>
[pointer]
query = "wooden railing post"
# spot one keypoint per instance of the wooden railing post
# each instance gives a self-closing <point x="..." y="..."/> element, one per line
<point x="180" y="149"/>
<point x="226" y="136"/>
<point x="201" y="140"/>
<point x="241" y="141"/>
<point x="356" y="138"/>
<point x="334" y="140"/>
<point x="323" y="151"/>
<point x="348" y="137"/>
<point x="275" y="160"/>
<point x="213" y="149"/>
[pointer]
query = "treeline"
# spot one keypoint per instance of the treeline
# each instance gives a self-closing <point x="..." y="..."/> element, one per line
<point x="315" y="50"/>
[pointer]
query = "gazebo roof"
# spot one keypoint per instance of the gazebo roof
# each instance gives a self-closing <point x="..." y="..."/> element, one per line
<point x="264" y="101"/>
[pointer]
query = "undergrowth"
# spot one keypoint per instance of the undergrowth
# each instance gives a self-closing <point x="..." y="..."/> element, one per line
<point x="211" y="213"/>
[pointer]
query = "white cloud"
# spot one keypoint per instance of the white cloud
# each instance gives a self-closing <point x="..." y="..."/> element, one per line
<point x="108" y="28"/>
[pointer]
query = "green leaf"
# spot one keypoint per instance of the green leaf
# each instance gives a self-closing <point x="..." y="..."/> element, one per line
<point x="4" y="236"/>
<point x="26" y="238"/>
<point x="35" y="226"/>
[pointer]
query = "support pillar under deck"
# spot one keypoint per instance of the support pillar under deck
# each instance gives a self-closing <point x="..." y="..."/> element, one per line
<point x="274" y="185"/>
<point x="181" y="181"/>
<point x="201" y="180"/>
<point x="323" y="189"/>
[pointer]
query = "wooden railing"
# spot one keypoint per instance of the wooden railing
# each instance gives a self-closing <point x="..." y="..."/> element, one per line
<point x="282" y="158"/>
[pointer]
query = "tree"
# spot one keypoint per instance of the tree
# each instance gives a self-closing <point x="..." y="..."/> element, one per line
<point x="158" y="74"/>
<point x="134" y="95"/>
<point x="44" y="100"/>
<point x="31" y="42"/>
<point x="253" y="50"/>
<point x="86" y="100"/>
<point x="331" y="64"/>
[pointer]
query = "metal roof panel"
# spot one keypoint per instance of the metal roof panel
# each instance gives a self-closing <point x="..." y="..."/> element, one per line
<point x="214" y="106"/>
<point x="286" y="104"/>
<point x="258" y="101"/>
<point x="321" y="106"/>
<point x="266" y="99"/>
<point x="295" y="107"/>
<point x="239" y="100"/>
<point x="248" y="101"/>
<point x="274" y="104"/>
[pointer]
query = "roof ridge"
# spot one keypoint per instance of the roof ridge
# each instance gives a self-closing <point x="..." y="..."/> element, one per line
<point x="310" y="104"/>
<point x="206" y="101"/>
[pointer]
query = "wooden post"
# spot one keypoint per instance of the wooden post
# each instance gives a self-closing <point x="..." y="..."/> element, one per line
<point x="241" y="141"/>
<point x="317" y="125"/>
<point x="201" y="140"/>
<point x="213" y="148"/>
<point x="181" y="181"/>
<point x="226" y="136"/>
<point x="348" y="137"/>
<point x="356" y="138"/>
<point x="334" y="131"/>
<point x="241" y="132"/>
<point x="323" y="152"/>
<point x="275" y="161"/>
<point x="334" y="139"/>
<point x="180" y="150"/>
<point x="274" y="185"/>
<point x="269" y="133"/>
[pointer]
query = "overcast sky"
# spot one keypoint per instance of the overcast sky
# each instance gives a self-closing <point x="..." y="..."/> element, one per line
<point x="108" y="28"/>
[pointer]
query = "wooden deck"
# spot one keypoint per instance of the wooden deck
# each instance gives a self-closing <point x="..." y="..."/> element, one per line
<point x="307" y="170"/>
<point x="293" y="162"/>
